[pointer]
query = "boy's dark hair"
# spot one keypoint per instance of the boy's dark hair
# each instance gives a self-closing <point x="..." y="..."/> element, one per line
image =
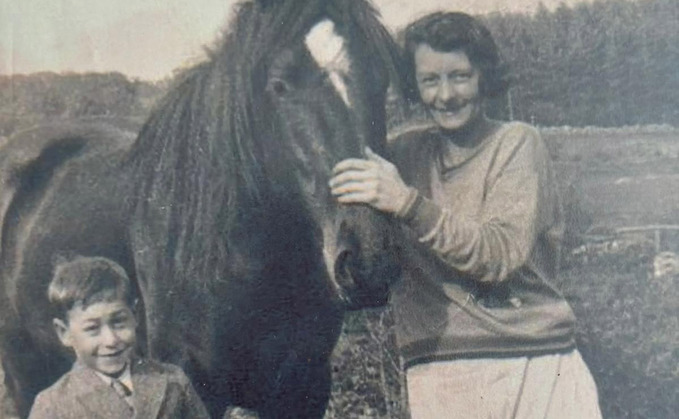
<point x="446" y="32"/>
<point x="87" y="280"/>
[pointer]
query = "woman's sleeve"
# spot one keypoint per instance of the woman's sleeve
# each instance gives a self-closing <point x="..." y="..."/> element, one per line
<point x="518" y="202"/>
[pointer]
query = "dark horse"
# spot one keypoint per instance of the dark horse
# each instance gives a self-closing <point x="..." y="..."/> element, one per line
<point x="219" y="209"/>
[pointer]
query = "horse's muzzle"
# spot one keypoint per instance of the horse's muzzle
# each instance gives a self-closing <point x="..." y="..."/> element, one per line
<point x="365" y="267"/>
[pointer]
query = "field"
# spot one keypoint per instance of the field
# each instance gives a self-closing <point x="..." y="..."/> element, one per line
<point x="628" y="330"/>
<point x="620" y="177"/>
<point x="610" y="179"/>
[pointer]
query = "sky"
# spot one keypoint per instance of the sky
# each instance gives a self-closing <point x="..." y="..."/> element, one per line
<point x="149" y="39"/>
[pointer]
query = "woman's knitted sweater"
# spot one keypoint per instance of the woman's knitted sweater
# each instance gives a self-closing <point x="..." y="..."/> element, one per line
<point x="482" y="245"/>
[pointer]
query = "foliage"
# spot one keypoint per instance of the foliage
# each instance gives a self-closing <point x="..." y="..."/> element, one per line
<point x="606" y="63"/>
<point x="26" y="100"/>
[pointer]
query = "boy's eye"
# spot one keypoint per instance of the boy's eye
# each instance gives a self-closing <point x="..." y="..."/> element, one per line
<point x="91" y="328"/>
<point x="119" y="322"/>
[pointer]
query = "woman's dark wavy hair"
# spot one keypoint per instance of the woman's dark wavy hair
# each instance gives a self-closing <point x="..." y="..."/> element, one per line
<point x="446" y="32"/>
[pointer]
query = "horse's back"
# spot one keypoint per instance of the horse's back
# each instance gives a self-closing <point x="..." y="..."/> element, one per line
<point x="60" y="184"/>
<point x="61" y="193"/>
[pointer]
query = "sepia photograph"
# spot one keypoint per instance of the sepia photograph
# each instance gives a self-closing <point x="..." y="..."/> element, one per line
<point x="329" y="209"/>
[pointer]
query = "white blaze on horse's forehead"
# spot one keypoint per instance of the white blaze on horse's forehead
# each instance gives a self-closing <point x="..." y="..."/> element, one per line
<point x="329" y="51"/>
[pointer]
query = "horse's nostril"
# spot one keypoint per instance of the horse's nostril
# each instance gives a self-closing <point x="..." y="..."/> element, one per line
<point x="342" y="267"/>
<point x="344" y="278"/>
<point x="346" y="270"/>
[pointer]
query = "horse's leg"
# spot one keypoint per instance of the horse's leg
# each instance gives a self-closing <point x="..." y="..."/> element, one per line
<point x="26" y="371"/>
<point x="300" y="381"/>
<point x="302" y="391"/>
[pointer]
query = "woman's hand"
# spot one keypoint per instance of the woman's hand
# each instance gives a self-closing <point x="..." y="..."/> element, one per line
<point x="375" y="182"/>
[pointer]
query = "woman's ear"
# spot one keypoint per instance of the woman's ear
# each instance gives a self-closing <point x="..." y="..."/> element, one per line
<point x="63" y="332"/>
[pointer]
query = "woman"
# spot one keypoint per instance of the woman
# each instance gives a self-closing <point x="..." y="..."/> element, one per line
<point x="482" y="331"/>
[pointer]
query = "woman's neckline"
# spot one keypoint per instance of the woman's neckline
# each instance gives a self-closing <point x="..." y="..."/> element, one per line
<point x="451" y="155"/>
<point x="474" y="135"/>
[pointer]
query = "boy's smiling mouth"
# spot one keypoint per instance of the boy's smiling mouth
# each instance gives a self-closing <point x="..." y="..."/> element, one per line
<point x="114" y="354"/>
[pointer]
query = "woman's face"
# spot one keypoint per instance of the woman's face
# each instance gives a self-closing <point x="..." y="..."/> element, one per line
<point x="449" y="86"/>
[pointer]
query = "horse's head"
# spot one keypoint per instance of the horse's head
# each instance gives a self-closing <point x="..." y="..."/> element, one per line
<point x="295" y="87"/>
<point x="322" y="99"/>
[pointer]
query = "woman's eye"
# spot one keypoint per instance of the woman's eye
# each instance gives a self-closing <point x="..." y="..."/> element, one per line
<point x="461" y="77"/>
<point x="428" y="81"/>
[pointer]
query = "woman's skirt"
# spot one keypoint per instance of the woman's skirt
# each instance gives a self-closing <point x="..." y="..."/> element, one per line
<point x="557" y="386"/>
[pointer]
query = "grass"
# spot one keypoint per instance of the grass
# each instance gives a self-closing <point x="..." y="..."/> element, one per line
<point x="628" y="331"/>
<point x="619" y="178"/>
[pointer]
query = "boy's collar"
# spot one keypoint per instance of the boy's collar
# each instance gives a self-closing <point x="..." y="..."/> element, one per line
<point x="149" y="388"/>
<point x="124" y="377"/>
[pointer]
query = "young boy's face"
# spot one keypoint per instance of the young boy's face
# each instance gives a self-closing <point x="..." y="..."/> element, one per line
<point x="102" y="334"/>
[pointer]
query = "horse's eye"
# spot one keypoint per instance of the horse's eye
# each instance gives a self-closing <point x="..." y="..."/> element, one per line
<point x="279" y="87"/>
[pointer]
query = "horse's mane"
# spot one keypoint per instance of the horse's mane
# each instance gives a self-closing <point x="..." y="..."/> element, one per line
<point x="199" y="157"/>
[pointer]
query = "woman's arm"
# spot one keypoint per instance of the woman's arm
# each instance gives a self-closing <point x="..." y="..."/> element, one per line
<point x="517" y="204"/>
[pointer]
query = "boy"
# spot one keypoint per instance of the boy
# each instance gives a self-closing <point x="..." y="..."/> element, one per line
<point x="92" y="303"/>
